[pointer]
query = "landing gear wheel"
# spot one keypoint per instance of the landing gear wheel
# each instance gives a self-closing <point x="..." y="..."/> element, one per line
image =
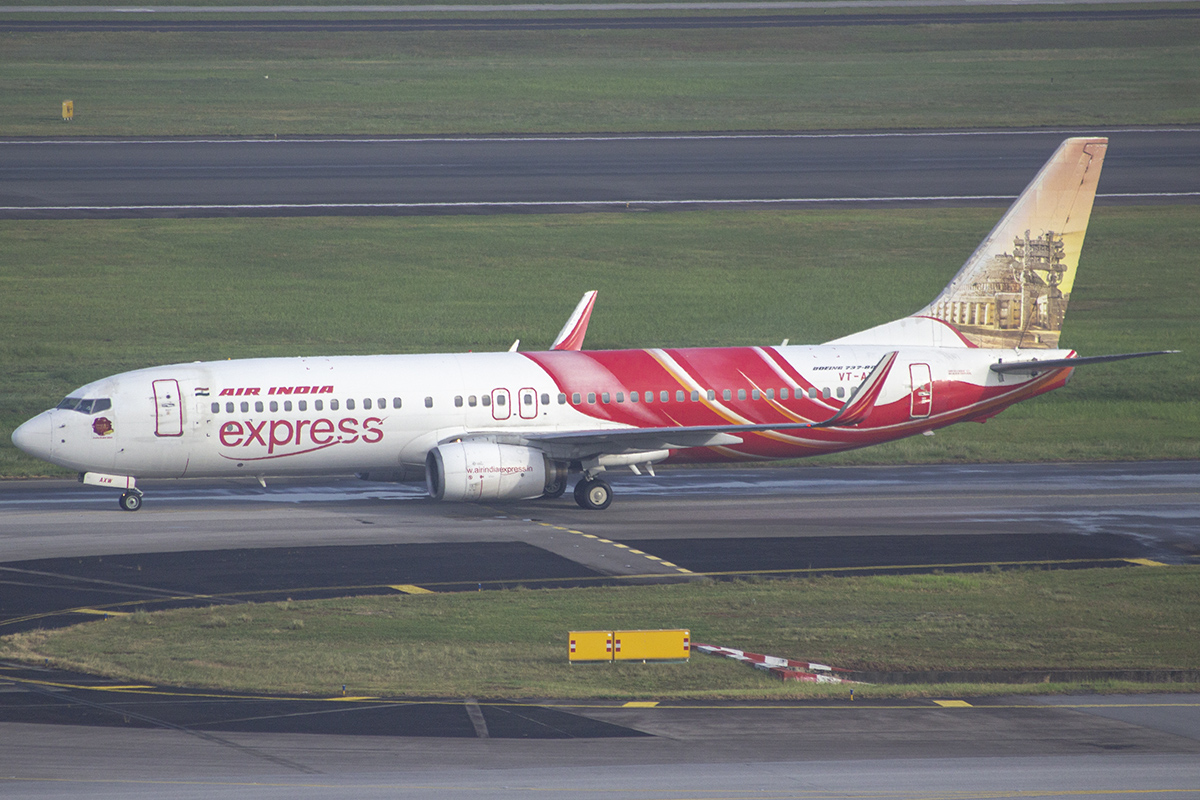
<point x="593" y="494"/>
<point x="130" y="501"/>
<point x="556" y="489"/>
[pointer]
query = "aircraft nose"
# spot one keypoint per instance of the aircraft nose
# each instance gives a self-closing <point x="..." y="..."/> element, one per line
<point x="34" y="437"/>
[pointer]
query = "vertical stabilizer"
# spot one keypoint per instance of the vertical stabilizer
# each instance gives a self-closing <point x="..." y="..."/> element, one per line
<point x="1013" y="290"/>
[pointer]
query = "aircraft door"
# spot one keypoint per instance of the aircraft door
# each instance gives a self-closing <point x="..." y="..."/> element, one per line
<point x="168" y="408"/>
<point x="922" y="390"/>
<point x="501" y="409"/>
<point x="527" y="404"/>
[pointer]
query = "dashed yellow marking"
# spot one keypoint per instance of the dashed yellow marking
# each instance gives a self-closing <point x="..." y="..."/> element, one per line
<point x="120" y="688"/>
<point x="640" y="704"/>
<point x="408" y="588"/>
<point x="636" y="552"/>
<point x="652" y="558"/>
<point x="953" y="703"/>
<point x="1145" y="562"/>
<point x="590" y="536"/>
<point x="349" y="699"/>
<point x="622" y="546"/>
<point x="100" y="613"/>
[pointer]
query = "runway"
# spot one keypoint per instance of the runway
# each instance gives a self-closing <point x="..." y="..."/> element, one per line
<point x="68" y="554"/>
<point x="69" y="179"/>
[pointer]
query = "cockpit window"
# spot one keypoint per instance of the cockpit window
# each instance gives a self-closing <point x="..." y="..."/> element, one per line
<point x="86" y="406"/>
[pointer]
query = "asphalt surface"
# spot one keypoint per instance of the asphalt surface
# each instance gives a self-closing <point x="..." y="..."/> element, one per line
<point x="68" y="554"/>
<point x="62" y="179"/>
<point x="649" y="21"/>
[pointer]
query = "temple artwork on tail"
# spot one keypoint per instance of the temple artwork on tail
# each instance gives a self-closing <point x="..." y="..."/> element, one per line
<point x="1014" y="289"/>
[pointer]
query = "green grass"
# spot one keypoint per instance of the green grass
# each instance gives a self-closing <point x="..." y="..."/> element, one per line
<point x="1046" y="73"/>
<point x="513" y="643"/>
<point x="88" y="298"/>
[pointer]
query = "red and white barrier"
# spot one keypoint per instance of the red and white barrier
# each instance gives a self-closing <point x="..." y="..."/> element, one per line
<point x="787" y="669"/>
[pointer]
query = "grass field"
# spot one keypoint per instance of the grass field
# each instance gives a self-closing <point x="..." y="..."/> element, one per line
<point x="1045" y="73"/>
<point x="88" y="298"/>
<point x="514" y="643"/>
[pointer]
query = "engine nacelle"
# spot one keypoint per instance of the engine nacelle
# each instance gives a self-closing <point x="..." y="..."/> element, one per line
<point x="470" y="472"/>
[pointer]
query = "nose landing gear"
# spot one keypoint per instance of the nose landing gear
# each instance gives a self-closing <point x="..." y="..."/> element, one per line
<point x="131" y="500"/>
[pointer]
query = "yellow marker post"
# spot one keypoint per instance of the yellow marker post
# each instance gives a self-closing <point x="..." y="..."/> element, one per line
<point x="68" y="110"/>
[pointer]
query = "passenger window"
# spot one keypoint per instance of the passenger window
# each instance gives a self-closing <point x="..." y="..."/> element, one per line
<point x="396" y="402"/>
<point x="229" y="408"/>
<point x="302" y="405"/>
<point x="458" y="401"/>
<point x="575" y="398"/>
<point x="755" y="394"/>
<point x="825" y="393"/>
<point x="350" y="404"/>
<point x="501" y="399"/>
<point x="812" y="393"/>
<point x="216" y="408"/>
<point x="545" y="399"/>
<point x="245" y="407"/>
<point x="287" y="405"/>
<point x="741" y="394"/>
<point x="274" y="406"/>
<point x="604" y="397"/>
<point x="367" y="404"/>
<point x="591" y="397"/>
<point x="664" y="396"/>
<point x="429" y="402"/>
<point x="486" y="400"/>
<point x="770" y="394"/>
<point x="333" y="405"/>
<point x="727" y="395"/>
<point x="620" y="397"/>
<point x="472" y="400"/>
<point x="633" y="397"/>
<point x="783" y="394"/>
<point x="841" y="391"/>
<point x="562" y="399"/>
<point x="527" y="398"/>
<point x="695" y="396"/>
<point x="649" y="397"/>
<point x="258" y="406"/>
<point x="382" y="403"/>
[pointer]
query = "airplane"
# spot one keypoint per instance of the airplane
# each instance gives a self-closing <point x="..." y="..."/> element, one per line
<point x="517" y="425"/>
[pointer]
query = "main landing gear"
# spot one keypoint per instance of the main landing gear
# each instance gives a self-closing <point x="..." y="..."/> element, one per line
<point x="593" y="493"/>
<point x="131" y="500"/>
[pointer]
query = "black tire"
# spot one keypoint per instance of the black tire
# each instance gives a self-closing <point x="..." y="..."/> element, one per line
<point x="555" y="490"/>
<point x="596" y="495"/>
<point x="130" y="501"/>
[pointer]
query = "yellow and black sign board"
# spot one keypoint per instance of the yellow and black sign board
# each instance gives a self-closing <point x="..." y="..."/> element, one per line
<point x="659" y="645"/>
<point x="68" y="110"/>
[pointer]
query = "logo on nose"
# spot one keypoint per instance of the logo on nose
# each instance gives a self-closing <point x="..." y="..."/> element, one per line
<point x="102" y="426"/>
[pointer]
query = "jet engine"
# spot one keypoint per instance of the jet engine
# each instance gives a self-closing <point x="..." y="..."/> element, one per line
<point x="470" y="472"/>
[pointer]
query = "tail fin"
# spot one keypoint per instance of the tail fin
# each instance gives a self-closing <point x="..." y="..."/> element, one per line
<point x="1013" y="290"/>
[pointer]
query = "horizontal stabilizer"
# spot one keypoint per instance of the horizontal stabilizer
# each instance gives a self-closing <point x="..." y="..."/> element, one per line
<point x="1004" y="367"/>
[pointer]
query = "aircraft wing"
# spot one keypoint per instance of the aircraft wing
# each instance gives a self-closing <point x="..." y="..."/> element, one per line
<point x="575" y="445"/>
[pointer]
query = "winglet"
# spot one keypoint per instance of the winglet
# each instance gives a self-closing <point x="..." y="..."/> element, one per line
<point x="571" y="335"/>
<point x="863" y="401"/>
